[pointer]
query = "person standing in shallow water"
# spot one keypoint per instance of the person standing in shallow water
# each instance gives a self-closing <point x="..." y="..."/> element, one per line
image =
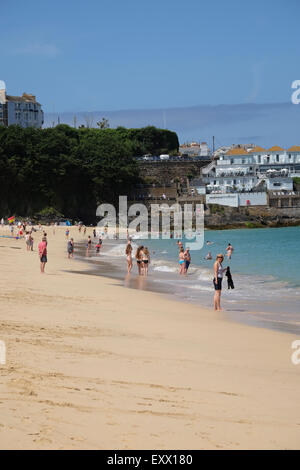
<point x="128" y="253"/>
<point x="181" y="261"/>
<point x="145" y="261"/>
<point x="217" y="281"/>
<point x="88" y="246"/>
<point x="187" y="260"/>
<point x="139" y="258"/>
<point x="229" y="250"/>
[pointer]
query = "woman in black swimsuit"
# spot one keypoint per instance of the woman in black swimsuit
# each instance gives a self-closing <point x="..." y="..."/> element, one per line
<point x="139" y="258"/>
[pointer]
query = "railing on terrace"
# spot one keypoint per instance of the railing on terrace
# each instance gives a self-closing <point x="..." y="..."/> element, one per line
<point x="172" y="159"/>
<point x="152" y="199"/>
<point x="282" y="193"/>
<point x="234" y="174"/>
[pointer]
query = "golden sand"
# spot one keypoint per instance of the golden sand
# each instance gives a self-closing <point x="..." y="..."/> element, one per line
<point x="93" y="365"/>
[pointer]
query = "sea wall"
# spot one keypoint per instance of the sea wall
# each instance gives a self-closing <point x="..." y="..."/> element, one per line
<point x="222" y="217"/>
<point x="238" y="199"/>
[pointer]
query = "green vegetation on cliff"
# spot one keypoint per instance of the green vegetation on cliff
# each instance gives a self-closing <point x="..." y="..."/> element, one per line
<point x="69" y="171"/>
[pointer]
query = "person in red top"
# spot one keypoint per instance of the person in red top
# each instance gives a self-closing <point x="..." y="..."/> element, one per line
<point x="43" y="253"/>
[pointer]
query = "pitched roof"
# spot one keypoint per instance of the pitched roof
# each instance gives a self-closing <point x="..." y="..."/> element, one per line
<point x="25" y="98"/>
<point x="237" y="151"/>
<point x="275" y="148"/>
<point x="258" y="149"/>
<point x="294" y="148"/>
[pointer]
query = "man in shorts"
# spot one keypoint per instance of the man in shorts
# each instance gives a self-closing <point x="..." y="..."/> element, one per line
<point x="43" y="253"/>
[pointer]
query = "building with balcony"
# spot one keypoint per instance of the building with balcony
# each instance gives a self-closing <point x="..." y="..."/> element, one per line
<point x="240" y="170"/>
<point x="23" y="110"/>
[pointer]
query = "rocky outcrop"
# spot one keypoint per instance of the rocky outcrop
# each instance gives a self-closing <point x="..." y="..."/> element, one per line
<point x="220" y="217"/>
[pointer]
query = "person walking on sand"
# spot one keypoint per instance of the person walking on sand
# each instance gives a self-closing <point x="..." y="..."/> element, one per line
<point x="181" y="261"/>
<point x="217" y="281"/>
<point x="28" y="241"/>
<point x="31" y="240"/>
<point x="43" y="254"/>
<point x="128" y="253"/>
<point x="67" y="234"/>
<point x="70" y="248"/>
<point x="145" y="260"/>
<point x="229" y="250"/>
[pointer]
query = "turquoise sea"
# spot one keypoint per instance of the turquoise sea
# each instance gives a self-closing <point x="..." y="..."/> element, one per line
<point x="270" y="252"/>
<point x="265" y="269"/>
<point x="264" y="266"/>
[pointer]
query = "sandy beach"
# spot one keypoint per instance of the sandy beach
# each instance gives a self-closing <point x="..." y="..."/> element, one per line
<point x="93" y="365"/>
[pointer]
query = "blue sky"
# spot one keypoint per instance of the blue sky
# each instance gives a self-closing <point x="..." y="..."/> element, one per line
<point x="113" y="55"/>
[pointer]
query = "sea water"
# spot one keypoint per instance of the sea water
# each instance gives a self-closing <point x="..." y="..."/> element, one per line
<point x="264" y="266"/>
<point x="272" y="253"/>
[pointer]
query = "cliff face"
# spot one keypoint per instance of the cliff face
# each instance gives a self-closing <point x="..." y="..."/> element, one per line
<point x="166" y="172"/>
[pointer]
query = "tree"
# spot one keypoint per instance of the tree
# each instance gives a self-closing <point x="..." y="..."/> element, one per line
<point x="103" y="124"/>
<point x="70" y="170"/>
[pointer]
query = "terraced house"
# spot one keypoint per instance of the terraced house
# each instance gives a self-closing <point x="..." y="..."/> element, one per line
<point x="22" y="110"/>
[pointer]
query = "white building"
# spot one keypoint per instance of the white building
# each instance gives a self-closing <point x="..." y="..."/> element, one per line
<point x="22" y="110"/>
<point x="241" y="170"/>
<point x="195" y="149"/>
<point x="204" y="149"/>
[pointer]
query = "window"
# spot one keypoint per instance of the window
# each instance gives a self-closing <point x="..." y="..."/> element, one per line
<point x="259" y="159"/>
<point x="277" y="158"/>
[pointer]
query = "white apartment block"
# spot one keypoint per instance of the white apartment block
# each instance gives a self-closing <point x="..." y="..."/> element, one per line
<point x="241" y="170"/>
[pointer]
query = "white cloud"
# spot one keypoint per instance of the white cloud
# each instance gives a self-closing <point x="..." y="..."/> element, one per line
<point x="38" y="49"/>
